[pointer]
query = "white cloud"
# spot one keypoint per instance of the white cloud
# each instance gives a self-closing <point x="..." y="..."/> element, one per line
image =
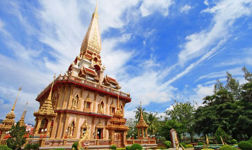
<point x="206" y="2"/>
<point x="225" y="14"/>
<point x="208" y="41"/>
<point x="147" y="87"/>
<point x="61" y="28"/>
<point x="149" y="6"/>
<point x="185" y="8"/>
<point x="222" y="74"/>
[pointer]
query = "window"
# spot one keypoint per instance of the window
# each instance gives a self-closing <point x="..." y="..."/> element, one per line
<point x="112" y="110"/>
<point x="88" y="105"/>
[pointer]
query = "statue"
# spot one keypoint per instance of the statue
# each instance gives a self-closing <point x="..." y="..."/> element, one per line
<point x="85" y="137"/>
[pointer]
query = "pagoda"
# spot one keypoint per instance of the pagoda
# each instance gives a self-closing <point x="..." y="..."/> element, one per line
<point x="8" y="122"/>
<point x="141" y="126"/>
<point x="83" y="102"/>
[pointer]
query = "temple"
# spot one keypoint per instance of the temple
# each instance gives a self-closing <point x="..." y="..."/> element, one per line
<point x="84" y="101"/>
<point x="83" y="105"/>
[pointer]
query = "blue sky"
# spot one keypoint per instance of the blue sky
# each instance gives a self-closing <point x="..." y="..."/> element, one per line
<point x="159" y="50"/>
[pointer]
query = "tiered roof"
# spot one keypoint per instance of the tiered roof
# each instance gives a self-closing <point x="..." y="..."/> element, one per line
<point x="9" y="119"/>
<point x="141" y="123"/>
<point x="47" y="109"/>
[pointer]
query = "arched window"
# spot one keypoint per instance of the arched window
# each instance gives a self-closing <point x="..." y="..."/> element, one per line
<point x="43" y="126"/>
<point x="83" y="128"/>
<point x="75" y="102"/>
<point x="101" y="107"/>
<point x="70" y="130"/>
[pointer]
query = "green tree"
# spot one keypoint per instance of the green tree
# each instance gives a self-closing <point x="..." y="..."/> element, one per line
<point x="17" y="139"/>
<point x="165" y="128"/>
<point x="152" y="121"/>
<point x="184" y="114"/>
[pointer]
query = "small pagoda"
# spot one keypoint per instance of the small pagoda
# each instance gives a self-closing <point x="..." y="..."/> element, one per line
<point x="142" y="126"/>
<point x="117" y="128"/>
<point x="44" y="116"/>
<point x="8" y="122"/>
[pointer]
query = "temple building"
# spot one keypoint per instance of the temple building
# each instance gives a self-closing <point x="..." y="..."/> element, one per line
<point x="84" y="105"/>
<point x="82" y="102"/>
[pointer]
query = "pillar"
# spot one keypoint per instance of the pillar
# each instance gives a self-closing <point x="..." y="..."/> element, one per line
<point x="48" y="128"/>
<point x="146" y="134"/>
<point x="55" y="125"/>
<point x="38" y="125"/>
<point x="112" y="137"/>
<point x="124" y="138"/>
<point x="59" y="127"/>
<point x="76" y="130"/>
<point x="142" y="132"/>
<point x="65" y="126"/>
<point x="138" y="132"/>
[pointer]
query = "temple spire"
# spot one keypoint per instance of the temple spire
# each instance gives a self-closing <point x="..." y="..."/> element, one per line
<point x="47" y="108"/>
<point x="14" y="105"/>
<point x="22" y="119"/>
<point x="92" y="39"/>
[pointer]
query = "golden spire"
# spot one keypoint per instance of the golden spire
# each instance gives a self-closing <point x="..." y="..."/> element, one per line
<point x="14" y="105"/>
<point x="47" y="108"/>
<point x="21" y="121"/>
<point x="141" y="123"/>
<point x="9" y="119"/>
<point x="92" y="39"/>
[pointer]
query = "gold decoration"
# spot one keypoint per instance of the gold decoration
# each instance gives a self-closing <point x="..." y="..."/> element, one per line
<point x="85" y="137"/>
<point x="47" y="109"/>
<point x="92" y="40"/>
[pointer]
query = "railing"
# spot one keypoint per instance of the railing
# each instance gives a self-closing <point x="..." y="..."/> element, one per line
<point x="141" y="141"/>
<point x="92" y="84"/>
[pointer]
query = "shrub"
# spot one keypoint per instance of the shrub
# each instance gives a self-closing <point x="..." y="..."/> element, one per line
<point x="189" y="146"/>
<point x="250" y="139"/>
<point x="27" y="147"/>
<point x="167" y="144"/>
<point x="127" y="147"/>
<point x="35" y="146"/>
<point x="31" y="147"/>
<point x="233" y="141"/>
<point x="113" y="147"/>
<point x="207" y="149"/>
<point x="227" y="147"/>
<point x="75" y="146"/>
<point x="245" y="145"/>
<point x="136" y="147"/>
<point x="4" y="147"/>
<point x="59" y="149"/>
<point x="200" y="143"/>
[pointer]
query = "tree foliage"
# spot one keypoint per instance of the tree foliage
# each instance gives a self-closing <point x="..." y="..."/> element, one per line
<point x="17" y="139"/>
<point x="229" y="108"/>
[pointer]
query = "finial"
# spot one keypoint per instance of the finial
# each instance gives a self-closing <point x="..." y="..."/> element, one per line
<point x="50" y="94"/>
<point x="96" y="9"/>
<point x="14" y="105"/>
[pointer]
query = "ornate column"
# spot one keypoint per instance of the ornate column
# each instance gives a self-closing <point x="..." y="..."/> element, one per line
<point x="38" y="125"/>
<point x="65" y="126"/>
<point x="142" y="132"/>
<point x="55" y="125"/>
<point x="76" y="127"/>
<point x="60" y="125"/>
<point x="48" y="128"/>
<point x="112" y="137"/>
<point x="146" y="134"/>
